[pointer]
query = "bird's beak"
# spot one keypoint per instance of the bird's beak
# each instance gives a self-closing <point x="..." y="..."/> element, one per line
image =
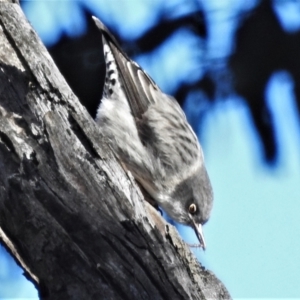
<point x="199" y="234"/>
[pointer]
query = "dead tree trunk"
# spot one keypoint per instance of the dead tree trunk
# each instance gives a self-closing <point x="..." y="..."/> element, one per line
<point x="69" y="214"/>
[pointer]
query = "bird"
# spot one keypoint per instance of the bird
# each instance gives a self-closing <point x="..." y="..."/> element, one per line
<point x="150" y="134"/>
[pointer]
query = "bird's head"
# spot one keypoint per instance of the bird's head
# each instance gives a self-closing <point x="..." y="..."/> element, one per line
<point x="191" y="202"/>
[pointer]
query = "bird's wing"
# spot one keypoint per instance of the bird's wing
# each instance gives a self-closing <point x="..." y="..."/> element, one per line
<point x="139" y="88"/>
<point x="161" y="123"/>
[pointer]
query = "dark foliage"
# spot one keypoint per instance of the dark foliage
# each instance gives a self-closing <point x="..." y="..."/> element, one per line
<point x="263" y="47"/>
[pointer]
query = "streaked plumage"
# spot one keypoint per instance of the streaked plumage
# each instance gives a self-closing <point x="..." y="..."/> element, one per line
<point x="149" y="132"/>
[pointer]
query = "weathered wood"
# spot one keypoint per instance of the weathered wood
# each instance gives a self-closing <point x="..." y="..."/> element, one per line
<point x="70" y="215"/>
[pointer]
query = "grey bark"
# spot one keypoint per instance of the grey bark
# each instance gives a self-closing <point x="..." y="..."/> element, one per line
<point x="69" y="214"/>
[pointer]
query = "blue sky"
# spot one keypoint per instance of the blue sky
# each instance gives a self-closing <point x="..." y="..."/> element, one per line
<point x="253" y="234"/>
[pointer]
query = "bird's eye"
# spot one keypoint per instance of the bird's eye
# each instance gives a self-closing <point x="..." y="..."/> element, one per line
<point x="192" y="208"/>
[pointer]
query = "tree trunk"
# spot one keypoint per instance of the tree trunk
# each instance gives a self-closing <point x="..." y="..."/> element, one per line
<point x="69" y="214"/>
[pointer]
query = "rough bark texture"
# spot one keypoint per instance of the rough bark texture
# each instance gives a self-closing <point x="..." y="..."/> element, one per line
<point x="70" y="215"/>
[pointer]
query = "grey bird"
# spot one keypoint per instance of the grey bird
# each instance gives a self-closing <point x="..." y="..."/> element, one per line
<point x="149" y="133"/>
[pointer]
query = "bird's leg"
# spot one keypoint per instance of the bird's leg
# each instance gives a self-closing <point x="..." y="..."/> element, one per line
<point x="194" y="245"/>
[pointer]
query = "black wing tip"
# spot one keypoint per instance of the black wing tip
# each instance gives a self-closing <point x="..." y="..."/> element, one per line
<point x="99" y="24"/>
<point x="107" y="34"/>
